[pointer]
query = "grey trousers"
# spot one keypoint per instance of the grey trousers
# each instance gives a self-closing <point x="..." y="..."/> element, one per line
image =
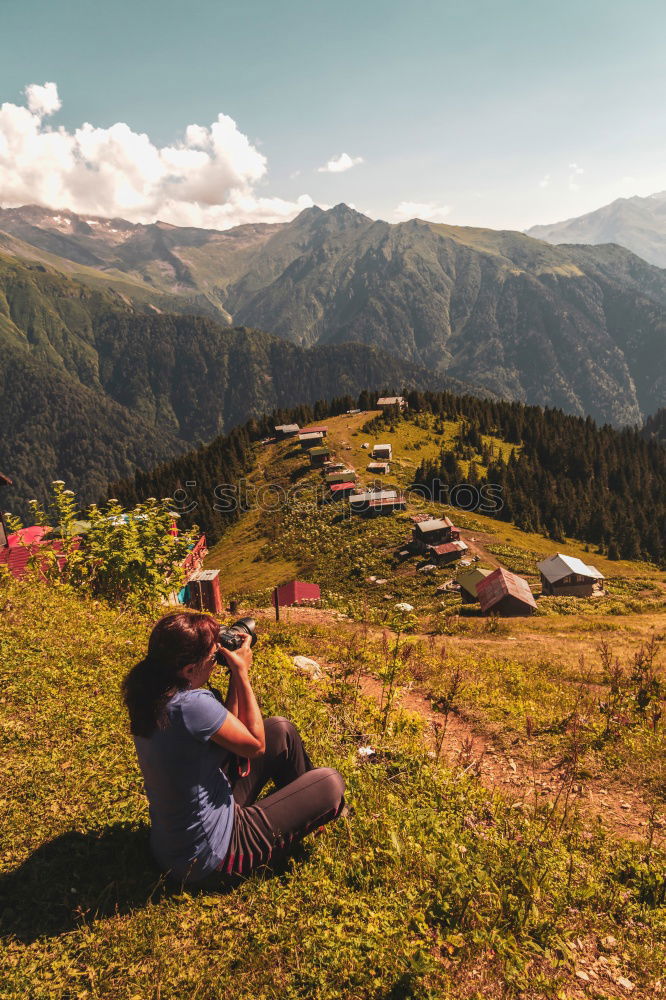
<point x="306" y="797"/>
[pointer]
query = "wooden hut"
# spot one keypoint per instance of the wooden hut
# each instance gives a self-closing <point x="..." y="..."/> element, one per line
<point x="446" y="551"/>
<point x="566" y="576"/>
<point x="318" y="456"/>
<point x="286" y="430"/>
<point x="377" y="502"/>
<point x="386" y="402"/>
<point x="310" y="439"/>
<point x="504" y="593"/>
<point x="434" y="531"/>
<point x="379" y="468"/>
<point x="382" y="452"/>
<point x="203" y="591"/>
<point x="469" y="581"/>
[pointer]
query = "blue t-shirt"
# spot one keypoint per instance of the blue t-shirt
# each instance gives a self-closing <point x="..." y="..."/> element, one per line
<point x="190" y="800"/>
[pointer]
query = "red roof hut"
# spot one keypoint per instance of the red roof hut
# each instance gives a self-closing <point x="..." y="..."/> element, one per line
<point x="504" y="593"/>
<point x="341" y="489"/>
<point x="295" y="592"/>
<point x="26" y="543"/>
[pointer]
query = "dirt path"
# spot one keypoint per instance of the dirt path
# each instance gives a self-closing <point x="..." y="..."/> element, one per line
<point x="519" y="773"/>
<point x="520" y="776"/>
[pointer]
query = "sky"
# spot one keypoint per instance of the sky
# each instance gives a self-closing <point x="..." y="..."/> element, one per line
<point x="217" y="112"/>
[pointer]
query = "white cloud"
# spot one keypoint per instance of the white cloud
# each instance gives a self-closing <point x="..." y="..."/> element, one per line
<point x="209" y="179"/>
<point x="43" y="100"/>
<point x="574" y="172"/>
<point x="545" y="181"/>
<point x="340" y="163"/>
<point x="428" y="210"/>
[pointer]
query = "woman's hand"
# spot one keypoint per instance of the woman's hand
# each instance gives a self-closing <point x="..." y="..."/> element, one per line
<point x="239" y="660"/>
<point x="242" y="733"/>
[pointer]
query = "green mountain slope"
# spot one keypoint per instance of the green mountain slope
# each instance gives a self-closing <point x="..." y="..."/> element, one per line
<point x="177" y="268"/>
<point x="93" y="387"/>
<point x="581" y="328"/>
<point x="55" y="428"/>
<point x="567" y="327"/>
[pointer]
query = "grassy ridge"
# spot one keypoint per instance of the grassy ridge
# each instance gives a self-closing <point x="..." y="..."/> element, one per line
<point x="435" y="888"/>
<point x="321" y="543"/>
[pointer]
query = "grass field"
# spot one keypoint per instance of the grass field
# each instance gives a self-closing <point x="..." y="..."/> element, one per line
<point x="506" y="837"/>
<point x="437" y="887"/>
<point x="267" y="548"/>
<point x="523" y="677"/>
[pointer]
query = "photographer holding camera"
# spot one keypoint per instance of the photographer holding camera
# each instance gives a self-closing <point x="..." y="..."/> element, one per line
<point x="205" y="762"/>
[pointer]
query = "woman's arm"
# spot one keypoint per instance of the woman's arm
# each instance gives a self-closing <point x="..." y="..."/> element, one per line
<point x="242" y="732"/>
<point x="231" y="702"/>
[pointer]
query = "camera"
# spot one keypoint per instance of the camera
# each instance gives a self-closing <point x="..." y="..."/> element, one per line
<point x="232" y="638"/>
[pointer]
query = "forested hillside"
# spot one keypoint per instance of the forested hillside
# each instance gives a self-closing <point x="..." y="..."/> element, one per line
<point x="566" y="476"/>
<point x="577" y="327"/>
<point x="199" y="473"/>
<point x="655" y="426"/>
<point x="93" y="387"/>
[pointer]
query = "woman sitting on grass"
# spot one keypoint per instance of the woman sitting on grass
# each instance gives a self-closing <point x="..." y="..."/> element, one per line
<point x="205" y="762"/>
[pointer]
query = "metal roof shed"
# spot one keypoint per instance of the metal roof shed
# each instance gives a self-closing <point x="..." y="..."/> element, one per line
<point x="469" y="580"/>
<point x="315" y="430"/>
<point x="559" y="566"/>
<point x="506" y="594"/>
<point x="567" y="576"/>
<point x="26" y="544"/>
<point x="295" y="592"/>
<point x="387" y="504"/>
<point x="341" y="489"/>
<point x="447" y="551"/>
<point x="377" y="495"/>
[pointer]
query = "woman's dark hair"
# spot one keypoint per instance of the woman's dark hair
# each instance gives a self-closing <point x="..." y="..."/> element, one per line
<point x="177" y="640"/>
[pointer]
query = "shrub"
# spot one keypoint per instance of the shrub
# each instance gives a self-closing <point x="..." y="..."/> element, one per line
<point x="128" y="557"/>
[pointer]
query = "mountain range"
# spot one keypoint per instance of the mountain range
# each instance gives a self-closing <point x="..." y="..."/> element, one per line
<point x="92" y="387"/>
<point x="577" y="327"/>
<point x="636" y="223"/>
